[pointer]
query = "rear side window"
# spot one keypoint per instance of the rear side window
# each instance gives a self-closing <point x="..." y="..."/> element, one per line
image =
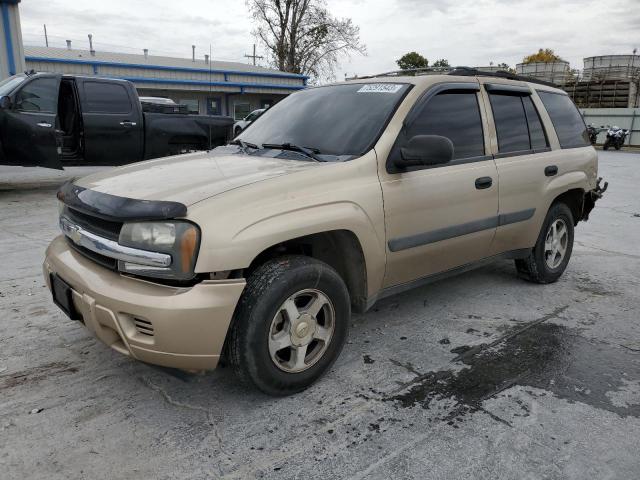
<point x="39" y="95"/>
<point x="518" y="124"/>
<point x="455" y="116"/>
<point x="536" y="130"/>
<point x="569" y="125"/>
<point x="511" y="123"/>
<point x="103" y="97"/>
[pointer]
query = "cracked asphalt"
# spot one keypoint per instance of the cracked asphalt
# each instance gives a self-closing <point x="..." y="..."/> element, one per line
<point x="478" y="376"/>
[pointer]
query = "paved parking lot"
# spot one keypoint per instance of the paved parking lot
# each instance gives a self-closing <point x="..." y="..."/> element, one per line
<point x="478" y="376"/>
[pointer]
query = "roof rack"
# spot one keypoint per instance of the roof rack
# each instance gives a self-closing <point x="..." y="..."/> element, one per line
<point x="461" y="71"/>
<point x="474" y="72"/>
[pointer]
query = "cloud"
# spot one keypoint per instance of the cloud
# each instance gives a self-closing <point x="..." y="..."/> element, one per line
<point x="466" y="32"/>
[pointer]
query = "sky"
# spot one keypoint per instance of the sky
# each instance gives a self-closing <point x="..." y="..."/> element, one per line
<point x="466" y="32"/>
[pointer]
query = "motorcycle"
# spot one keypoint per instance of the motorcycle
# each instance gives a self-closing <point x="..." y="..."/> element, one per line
<point x="615" y="138"/>
<point x="593" y="133"/>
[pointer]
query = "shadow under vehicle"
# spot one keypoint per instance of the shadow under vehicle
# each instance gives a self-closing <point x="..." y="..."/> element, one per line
<point x="51" y="120"/>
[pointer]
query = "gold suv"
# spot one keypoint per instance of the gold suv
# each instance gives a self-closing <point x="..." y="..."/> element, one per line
<point x="336" y="197"/>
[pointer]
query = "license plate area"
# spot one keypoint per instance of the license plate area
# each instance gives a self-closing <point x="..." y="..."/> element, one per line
<point x="63" y="297"/>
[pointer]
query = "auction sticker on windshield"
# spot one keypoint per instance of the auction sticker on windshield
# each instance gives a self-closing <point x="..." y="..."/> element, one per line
<point x="380" y="88"/>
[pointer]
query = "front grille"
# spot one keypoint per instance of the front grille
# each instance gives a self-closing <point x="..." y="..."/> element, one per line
<point x="103" y="228"/>
<point x="107" y="262"/>
<point x="145" y="327"/>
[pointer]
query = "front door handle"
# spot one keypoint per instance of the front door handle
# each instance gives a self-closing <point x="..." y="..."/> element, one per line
<point x="551" y="170"/>
<point x="44" y="125"/>
<point x="483" y="182"/>
<point x="127" y="123"/>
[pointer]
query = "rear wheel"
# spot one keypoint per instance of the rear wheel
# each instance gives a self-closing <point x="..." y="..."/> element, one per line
<point x="290" y="325"/>
<point x="549" y="257"/>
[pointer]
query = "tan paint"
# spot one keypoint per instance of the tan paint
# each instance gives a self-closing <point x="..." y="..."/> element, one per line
<point x="245" y="205"/>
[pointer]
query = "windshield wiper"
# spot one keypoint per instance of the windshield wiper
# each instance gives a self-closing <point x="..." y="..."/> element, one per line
<point x="308" y="151"/>
<point x="244" y="145"/>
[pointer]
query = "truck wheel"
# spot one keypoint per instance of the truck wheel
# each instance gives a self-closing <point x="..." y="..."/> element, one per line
<point x="550" y="255"/>
<point x="290" y="324"/>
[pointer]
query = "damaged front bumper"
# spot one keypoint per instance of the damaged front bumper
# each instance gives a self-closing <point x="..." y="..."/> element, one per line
<point x="591" y="197"/>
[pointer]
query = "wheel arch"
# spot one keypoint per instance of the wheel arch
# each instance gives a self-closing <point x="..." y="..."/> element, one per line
<point x="341" y="249"/>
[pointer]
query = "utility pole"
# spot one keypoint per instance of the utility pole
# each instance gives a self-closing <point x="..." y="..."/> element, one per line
<point x="46" y="38"/>
<point x="254" y="56"/>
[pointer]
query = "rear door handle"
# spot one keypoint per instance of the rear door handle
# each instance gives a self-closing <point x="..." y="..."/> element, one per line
<point x="127" y="123"/>
<point x="483" y="182"/>
<point x="44" y="125"/>
<point x="551" y="170"/>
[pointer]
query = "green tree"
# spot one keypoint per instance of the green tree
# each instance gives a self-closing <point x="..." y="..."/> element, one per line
<point x="506" y="67"/>
<point x="441" y="63"/>
<point x="412" y="60"/>
<point x="546" y="55"/>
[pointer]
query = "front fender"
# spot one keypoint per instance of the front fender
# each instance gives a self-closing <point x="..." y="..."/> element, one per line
<point x="251" y="240"/>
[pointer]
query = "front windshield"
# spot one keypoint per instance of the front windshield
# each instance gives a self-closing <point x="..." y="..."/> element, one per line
<point x="7" y="85"/>
<point x="334" y="120"/>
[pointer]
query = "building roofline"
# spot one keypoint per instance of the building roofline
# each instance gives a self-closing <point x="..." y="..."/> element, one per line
<point x="103" y="63"/>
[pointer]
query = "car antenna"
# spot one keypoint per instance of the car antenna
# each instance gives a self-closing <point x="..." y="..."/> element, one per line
<point x="210" y="93"/>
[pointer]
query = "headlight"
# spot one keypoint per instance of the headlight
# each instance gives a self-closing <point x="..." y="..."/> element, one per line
<point x="178" y="239"/>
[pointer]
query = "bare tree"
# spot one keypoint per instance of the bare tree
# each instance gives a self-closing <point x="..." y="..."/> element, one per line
<point x="302" y="36"/>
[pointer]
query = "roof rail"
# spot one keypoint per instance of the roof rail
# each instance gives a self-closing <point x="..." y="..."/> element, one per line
<point x="461" y="71"/>
<point x="474" y="72"/>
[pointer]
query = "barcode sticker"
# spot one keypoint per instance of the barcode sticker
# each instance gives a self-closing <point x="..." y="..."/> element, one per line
<point x="380" y="88"/>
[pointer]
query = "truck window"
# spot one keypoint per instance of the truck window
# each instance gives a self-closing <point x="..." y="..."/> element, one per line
<point x="536" y="130"/>
<point x="39" y="95"/>
<point x="106" y="97"/>
<point x="455" y="116"/>
<point x="511" y="123"/>
<point x="566" y="119"/>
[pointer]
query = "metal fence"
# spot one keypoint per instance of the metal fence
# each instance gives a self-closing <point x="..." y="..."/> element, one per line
<point x="628" y="118"/>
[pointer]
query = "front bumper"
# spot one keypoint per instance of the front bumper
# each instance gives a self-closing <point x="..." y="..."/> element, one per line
<point x="170" y="326"/>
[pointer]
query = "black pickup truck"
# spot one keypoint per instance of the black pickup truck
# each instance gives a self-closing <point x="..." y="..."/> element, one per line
<point x="51" y="120"/>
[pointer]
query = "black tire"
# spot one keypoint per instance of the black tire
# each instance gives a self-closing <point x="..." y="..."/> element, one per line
<point x="267" y="289"/>
<point x="606" y="145"/>
<point x="617" y="146"/>
<point x="237" y="132"/>
<point x="535" y="268"/>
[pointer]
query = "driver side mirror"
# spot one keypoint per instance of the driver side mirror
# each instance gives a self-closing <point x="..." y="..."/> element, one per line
<point x="5" y="102"/>
<point x="425" y="150"/>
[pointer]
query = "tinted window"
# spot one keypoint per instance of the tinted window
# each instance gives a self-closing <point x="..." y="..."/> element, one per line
<point x="103" y="97"/>
<point x="569" y="125"/>
<point x="337" y="119"/>
<point x="536" y="130"/>
<point x="511" y="123"/>
<point x="455" y="116"/>
<point x="39" y="95"/>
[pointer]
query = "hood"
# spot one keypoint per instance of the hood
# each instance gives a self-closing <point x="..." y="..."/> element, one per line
<point x="190" y="178"/>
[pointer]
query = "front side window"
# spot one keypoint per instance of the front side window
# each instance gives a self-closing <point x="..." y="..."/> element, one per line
<point x="455" y="115"/>
<point x="337" y="120"/>
<point x="566" y="119"/>
<point x="39" y="95"/>
<point x="103" y="97"/>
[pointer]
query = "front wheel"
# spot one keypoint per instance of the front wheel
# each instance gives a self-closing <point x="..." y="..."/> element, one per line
<point x="549" y="257"/>
<point x="290" y="325"/>
<point x="606" y="145"/>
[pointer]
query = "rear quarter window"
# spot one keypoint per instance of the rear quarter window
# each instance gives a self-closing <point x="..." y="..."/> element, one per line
<point x="566" y="119"/>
